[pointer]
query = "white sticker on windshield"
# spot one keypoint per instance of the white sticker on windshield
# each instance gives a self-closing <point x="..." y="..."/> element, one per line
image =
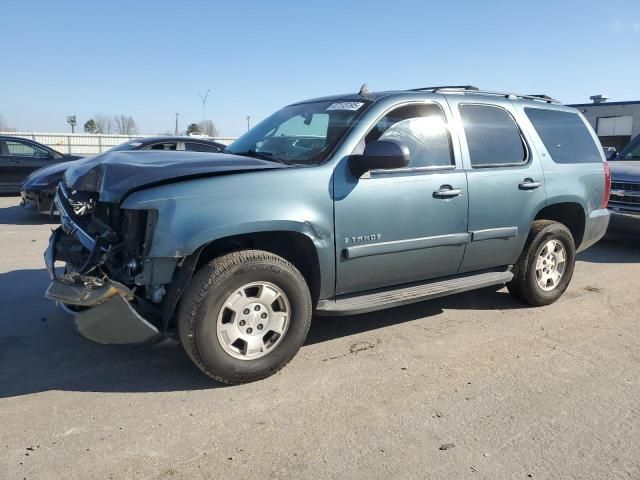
<point x="345" y="106"/>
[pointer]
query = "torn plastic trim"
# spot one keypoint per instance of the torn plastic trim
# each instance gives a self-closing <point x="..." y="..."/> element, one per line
<point x="107" y="316"/>
<point x="71" y="227"/>
<point x="115" y="322"/>
<point x="85" y="291"/>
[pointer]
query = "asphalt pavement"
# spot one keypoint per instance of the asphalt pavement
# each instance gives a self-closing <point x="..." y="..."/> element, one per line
<point x="473" y="386"/>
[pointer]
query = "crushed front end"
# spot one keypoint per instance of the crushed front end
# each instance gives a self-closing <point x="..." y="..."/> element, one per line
<point x="108" y="281"/>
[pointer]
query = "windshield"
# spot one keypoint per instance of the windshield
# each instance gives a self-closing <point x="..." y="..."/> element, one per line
<point x="300" y="134"/>
<point x="125" y="146"/>
<point x="631" y="151"/>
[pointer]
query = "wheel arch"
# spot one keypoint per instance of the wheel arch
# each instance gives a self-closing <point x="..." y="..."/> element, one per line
<point x="570" y="213"/>
<point x="296" y="247"/>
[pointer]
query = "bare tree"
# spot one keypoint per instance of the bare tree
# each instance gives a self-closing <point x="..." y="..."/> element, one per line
<point x="207" y="127"/>
<point x="103" y="123"/>
<point x="3" y="125"/>
<point x="124" y="125"/>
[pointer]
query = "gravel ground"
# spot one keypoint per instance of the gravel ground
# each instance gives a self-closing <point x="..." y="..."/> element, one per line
<point x="470" y="386"/>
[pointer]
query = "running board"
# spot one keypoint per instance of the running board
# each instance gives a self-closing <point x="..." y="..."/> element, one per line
<point x="379" y="299"/>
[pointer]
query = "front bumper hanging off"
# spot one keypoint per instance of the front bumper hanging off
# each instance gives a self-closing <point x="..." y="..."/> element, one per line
<point x="102" y="308"/>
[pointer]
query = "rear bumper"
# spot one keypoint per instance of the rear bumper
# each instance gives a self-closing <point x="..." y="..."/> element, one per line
<point x="595" y="227"/>
<point x="625" y="221"/>
<point x="624" y="211"/>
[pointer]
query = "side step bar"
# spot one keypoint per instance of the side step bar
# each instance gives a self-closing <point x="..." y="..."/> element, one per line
<point x="379" y="299"/>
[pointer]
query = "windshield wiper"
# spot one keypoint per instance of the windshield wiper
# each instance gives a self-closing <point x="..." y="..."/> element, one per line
<point x="261" y="155"/>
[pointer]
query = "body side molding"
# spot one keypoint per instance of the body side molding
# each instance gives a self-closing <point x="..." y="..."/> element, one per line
<point x="489" y="233"/>
<point x="380" y="248"/>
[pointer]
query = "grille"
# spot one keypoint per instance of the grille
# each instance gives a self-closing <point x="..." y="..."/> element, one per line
<point x="627" y="193"/>
<point x="628" y="186"/>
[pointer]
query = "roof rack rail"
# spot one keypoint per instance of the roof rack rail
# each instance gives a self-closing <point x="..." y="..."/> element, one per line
<point x="542" y="96"/>
<point x="446" y="87"/>
<point x="475" y="90"/>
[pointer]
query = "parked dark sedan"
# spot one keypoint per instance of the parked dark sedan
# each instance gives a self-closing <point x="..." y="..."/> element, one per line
<point x="19" y="157"/>
<point x="39" y="188"/>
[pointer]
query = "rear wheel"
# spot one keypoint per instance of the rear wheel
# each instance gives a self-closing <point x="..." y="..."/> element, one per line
<point x="545" y="267"/>
<point x="244" y="316"/>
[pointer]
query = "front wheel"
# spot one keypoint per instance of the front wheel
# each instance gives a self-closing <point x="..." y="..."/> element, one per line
<point x="545" y="267"/>
<point x="244" y="316"/>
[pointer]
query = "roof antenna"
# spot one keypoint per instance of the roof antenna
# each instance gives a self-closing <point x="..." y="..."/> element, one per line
<point x="364" y="90"/>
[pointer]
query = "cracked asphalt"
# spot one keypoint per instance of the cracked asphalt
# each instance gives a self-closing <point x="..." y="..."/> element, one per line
<point x="471" y="386"/>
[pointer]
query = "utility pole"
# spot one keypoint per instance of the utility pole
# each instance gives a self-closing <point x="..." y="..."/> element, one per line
<point x="176" y="132"/>
<point x="203" y="99"/>
<point x="248" y="122"/>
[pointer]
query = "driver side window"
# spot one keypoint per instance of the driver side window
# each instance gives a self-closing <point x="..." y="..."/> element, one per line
<point x="422" y="128"/>
<point x="19" y="149"/>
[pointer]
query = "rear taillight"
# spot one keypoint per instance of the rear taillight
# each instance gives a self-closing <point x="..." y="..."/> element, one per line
<point x="607" y="185"/>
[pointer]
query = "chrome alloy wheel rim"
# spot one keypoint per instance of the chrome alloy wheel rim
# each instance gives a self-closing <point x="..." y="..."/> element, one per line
<point x="551" y="265"/>
<point x="253" y="320"/>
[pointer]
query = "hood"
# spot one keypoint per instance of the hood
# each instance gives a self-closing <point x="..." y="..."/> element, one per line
<point x="625" y="170"/>
<point x="114" y="174"/>
<point x="47" y="176"/>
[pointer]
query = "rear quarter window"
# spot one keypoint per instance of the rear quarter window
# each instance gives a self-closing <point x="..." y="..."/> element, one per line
<point x="565" y="136"/>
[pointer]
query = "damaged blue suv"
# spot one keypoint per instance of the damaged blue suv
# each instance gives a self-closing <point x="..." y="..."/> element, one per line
<point x="334" y="206"/>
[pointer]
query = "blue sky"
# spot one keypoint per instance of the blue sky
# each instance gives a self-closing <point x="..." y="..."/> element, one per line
<point x="149" y="59"/>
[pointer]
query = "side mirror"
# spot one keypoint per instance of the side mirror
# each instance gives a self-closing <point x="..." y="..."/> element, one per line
<point x="611" y="154"/>
<point x="380" y="155"/>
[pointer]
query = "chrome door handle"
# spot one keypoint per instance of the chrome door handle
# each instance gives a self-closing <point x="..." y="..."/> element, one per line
<point x="529" y="184"/>
<point x="447" y="191"/>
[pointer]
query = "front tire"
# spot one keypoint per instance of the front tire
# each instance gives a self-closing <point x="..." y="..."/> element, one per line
<point x="546" y="264"/>
<point x="244" y="316"/>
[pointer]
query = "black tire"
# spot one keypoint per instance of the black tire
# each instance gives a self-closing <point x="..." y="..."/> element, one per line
<point x="204" y="298"/>
<point x="524" y="285"/>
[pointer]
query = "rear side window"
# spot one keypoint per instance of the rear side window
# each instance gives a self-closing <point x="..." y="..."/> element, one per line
<point x="201" y="147"/>
<point x="492" y="136"/>
<point x="564" y="135"/>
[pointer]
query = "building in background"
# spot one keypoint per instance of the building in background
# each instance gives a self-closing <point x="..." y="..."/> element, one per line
<point x="616" y="123"/>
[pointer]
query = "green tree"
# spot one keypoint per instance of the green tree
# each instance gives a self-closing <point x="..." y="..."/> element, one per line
<point x="90" y="126"/>
<point x="193" y="128"/>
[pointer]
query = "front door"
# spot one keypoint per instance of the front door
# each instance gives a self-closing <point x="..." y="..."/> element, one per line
<point x="400" y="226"/>
<point x="22" y="158"/>
<point x="505" y="182"/>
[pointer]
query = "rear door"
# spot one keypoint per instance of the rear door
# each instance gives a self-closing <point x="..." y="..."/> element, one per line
<point x="505" y="182"/>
